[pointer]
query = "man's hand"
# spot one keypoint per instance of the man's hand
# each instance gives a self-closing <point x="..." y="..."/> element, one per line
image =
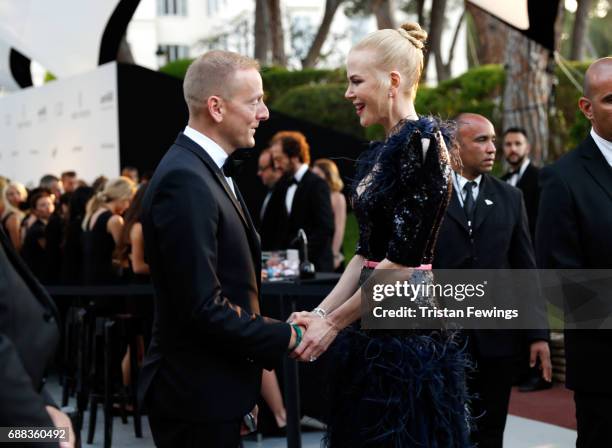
<point x="541" y="350"/>
<point x="320" y="333"/>
<point x="61" y="420"/>
<point x="302" y="315"/>
<point x="293" y="340"/>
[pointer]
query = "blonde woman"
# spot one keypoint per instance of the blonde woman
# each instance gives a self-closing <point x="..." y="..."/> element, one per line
<point x="328" y="171"/>
<point x="102" y="228"/>
<point x="391" y="388"/>
<point x="10" y="215"/>
<point x="16" y="194"/>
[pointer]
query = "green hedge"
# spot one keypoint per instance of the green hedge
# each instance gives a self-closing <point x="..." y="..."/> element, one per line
<point x="321" y="104"/>
<point x="475" y="91"/>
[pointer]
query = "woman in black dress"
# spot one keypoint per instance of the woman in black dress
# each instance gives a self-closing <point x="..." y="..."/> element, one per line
<point x="392" y="388"/>
<point x="102" y="227"/>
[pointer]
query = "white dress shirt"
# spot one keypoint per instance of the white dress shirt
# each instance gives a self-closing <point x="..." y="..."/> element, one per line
<point x="514" y="179"/>
<point x="460" y="182"/>
<point x="292" y="188"/>
<point x="604" y="146"/>
<point x="215" y="152"/>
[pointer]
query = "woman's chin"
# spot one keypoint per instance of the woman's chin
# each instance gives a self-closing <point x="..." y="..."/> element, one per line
<point x="364" y="122"/>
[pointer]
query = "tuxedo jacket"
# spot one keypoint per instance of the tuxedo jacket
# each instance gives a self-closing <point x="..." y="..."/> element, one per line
<point x="268" y="222"/>
<point x="311" y="210"/>
<point x="574" y="231"/>
<point x="500" y="240"/>
<point x="29" y="335"/>
<point x="528" y="184"/>
<point x="209" y="342"/>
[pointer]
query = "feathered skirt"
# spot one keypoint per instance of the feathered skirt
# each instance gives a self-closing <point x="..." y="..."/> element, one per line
<point x="399" y="389"/>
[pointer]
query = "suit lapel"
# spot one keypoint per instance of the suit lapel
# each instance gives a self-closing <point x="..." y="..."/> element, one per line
<point x="192" y="146"/>
<point x="297" y="197"/>
<point x="456" y="212"/>
<point x="597" y="166"/>
<point x="526" y="178"/>
<point x="485" y="203"/>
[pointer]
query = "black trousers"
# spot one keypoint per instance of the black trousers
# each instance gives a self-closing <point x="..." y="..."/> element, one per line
<point x="169" y="433"/>
<point x="594" y="417"/>
<point x="490" y="385"/>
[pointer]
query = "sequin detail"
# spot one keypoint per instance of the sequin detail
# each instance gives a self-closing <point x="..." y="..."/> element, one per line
<point x="401" y="193"/>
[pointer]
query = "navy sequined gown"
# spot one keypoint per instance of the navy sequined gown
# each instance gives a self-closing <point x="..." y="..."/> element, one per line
<point x="401" y="388"/>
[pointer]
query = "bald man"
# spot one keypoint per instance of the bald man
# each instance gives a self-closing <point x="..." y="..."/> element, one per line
<point x="486" y="228"/>
<point x="202" y="373"/>
<point x="574" y="231"/>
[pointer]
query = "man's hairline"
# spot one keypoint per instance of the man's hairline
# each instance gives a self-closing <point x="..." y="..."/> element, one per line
<point x="225" y="95"/>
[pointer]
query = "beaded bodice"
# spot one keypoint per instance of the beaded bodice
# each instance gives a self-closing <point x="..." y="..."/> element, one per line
<point x="401" y="192"/>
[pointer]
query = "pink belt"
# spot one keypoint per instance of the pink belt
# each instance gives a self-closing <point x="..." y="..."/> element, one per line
<point x="373" y="264"/>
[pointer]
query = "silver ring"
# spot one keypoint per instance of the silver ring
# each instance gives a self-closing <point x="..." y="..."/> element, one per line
<point x="313" y="358"/>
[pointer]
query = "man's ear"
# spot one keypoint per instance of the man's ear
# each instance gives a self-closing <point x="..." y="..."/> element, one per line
<point x="586" y="107"/>
<point x="216" y="108"/>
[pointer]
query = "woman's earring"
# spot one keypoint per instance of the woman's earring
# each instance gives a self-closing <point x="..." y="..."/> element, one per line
<point x="390" y="94"/>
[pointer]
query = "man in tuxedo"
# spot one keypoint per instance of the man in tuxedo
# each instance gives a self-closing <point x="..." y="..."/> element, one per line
<point x="29" y="335"/>
<point x="269" y="175"/>
<point x="574" y="232"/>
<point x="202" y="373"/>
<point x="301" y="200"/>
<point x="523" y="174"/>
<point x="486" y="228"/>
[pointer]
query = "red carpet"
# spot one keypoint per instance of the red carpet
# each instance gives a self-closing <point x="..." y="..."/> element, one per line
<point x="554" y="406"/>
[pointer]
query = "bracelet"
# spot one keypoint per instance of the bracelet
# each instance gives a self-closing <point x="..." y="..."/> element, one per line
<point x="320" y="312"/>
<point x="298" y="334"/>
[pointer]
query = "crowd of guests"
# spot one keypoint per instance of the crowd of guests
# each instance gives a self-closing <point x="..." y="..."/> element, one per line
<point x="71" y="233"/>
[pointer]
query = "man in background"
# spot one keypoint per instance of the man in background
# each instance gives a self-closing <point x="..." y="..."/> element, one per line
<point x="69" y="181"/>
<point x="269" y="175"/>
<point x="486" y="228"/>
<point x="53" y="184"/>
<point x="301" y="201"/>
<point x="523" y="174"/>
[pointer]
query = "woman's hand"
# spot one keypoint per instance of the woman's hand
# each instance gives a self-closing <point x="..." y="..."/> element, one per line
<point x="320" y="333"/>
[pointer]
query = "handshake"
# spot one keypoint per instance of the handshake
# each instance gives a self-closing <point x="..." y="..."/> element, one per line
<point x="312" y="334"/>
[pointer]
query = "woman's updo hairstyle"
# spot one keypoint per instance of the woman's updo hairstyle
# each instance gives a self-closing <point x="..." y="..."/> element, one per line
<point x="400" y="49"/>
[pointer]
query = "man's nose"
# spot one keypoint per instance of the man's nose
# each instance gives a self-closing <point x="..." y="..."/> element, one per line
<point x="264" y="113"/>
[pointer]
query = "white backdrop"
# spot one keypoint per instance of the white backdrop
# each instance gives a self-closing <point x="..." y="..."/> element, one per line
<point x="62" y="35"/>
<point x="69" y="124"/>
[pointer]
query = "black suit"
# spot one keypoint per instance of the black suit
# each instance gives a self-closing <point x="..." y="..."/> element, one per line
<point x="268" y="221"/>
<point x="500" y="240"/>
<point x="209" y="344"/>
<point x="574" y="232"/>
<point x="528" y="184"/>
<point x="28" y="337"/>
<point x="310" y="210"/>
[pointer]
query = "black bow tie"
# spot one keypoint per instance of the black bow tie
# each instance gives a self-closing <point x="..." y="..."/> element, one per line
<point x="293" y="181"/>
<point x="230" y="167"/>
